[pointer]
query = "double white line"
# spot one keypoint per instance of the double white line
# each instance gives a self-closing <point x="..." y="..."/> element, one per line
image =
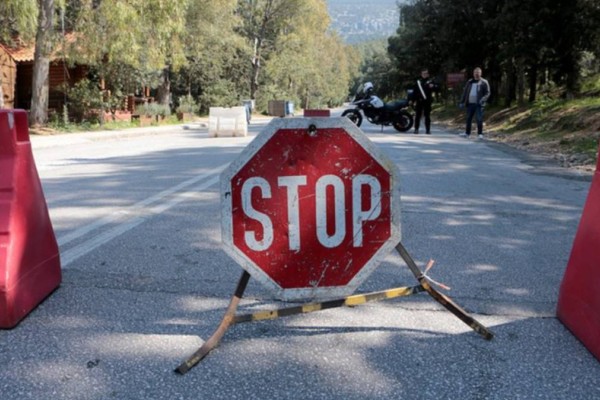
<point x="130" y="217"/>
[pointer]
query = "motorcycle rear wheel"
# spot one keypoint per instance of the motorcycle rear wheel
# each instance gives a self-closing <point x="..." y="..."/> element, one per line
<point x="354" y="116"/>
<point x="403" y="122"/>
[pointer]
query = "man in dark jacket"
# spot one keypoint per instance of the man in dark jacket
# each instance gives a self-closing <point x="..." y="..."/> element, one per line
<point x="423" y="96"/>
<point x="476" y="93"/>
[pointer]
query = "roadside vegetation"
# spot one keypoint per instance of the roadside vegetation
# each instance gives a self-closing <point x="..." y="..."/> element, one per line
<point x="565" y="129"/>
<point x="541" y="57"/>
<point x="55" y="126"/>
<point x="219" y="53"/>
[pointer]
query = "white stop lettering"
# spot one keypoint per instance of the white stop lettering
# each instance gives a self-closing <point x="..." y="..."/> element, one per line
<point x="292" y="184"/>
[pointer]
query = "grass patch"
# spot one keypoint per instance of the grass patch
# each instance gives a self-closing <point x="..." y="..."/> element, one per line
<point x="586" y="145"/>
<point x="56" y="126"/>
<point x="91" y="126"/>
<point x="558" y="127"/>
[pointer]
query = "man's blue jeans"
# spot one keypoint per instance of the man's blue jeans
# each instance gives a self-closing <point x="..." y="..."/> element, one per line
<point x="477" y="111"/>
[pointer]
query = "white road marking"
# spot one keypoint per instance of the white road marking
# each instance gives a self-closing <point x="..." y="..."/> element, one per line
<point x="133" y="216"/>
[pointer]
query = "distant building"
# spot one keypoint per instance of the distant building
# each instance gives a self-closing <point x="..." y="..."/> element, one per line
<point x="359" y="21"/>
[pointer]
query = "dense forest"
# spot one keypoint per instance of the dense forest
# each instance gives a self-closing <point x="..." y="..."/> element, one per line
<point x="218" y="53"/>
<point x="215" y="53"/>
<point x="524" y="46"/>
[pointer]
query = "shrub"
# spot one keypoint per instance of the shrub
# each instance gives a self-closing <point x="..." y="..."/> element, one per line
<point x="153" y="110"/>
<point x="187" y="105"/>
<point x="84" y="97"/>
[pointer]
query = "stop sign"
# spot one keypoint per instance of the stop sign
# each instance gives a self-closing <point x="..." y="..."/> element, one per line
<point x="310" y="207"/>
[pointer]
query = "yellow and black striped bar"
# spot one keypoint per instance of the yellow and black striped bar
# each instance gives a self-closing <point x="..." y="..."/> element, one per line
<point x="230" y="318"/>
<point x="353" y="300"/>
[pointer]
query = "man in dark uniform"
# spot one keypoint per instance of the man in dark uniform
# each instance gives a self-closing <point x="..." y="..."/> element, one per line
<point x="423" y="96"/>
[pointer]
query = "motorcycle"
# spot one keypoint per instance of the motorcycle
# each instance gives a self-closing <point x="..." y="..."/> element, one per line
<point x="379" y="113"/>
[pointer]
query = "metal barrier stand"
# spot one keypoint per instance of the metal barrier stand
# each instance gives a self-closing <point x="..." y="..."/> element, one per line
<point x="230" y="318"/>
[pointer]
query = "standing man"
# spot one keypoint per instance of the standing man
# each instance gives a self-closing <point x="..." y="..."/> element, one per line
<point x="477" y="91"/>
<point x="423" y="95"/>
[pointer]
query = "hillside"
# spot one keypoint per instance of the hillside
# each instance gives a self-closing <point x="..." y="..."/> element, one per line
<point x="358" y="20"/>
<point x="565" y="130"/>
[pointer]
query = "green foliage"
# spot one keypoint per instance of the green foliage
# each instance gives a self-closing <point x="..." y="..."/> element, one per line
<point x="18" y="16"/>
<point x="585" y="145"/>
<point x="590" y="74"/>
<point x="221" y="93"/>
<point x="288" y="62"/>
<point x="591" y="85"/>
<point x="378" y="68"/>
<point x="85" y="126"/>
<point x="84" y="97"/>
<point x="219" y="53"/>
<point x="511" y="39"/>
<point x="86" y="101"/>
<point x="555" y="118"/>
<point x="217" y="68"/>
<point x="187" y="104"/>
<point x="289" y="39"/>
<point x="145" y="36"/>
<point x="153" y="110"/>
<point x="273" y="92"/>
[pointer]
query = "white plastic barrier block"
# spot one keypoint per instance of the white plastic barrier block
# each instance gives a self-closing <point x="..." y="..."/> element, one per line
<point x="230" y="121"/>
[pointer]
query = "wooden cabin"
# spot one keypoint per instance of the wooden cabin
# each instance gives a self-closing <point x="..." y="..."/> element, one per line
<point x="8" y="78"/>
<point x="16" y="69"/>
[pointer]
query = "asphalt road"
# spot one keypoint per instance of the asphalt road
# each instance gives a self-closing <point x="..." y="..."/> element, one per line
<point x="145" y="281"/>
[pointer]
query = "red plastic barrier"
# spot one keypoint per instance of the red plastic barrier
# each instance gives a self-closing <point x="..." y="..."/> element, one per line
<point x="29" y="258"/>
<point x="317" y="113"/>
<point x="579" y="297"/>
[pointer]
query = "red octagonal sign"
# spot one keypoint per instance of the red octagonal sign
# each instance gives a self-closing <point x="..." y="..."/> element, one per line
<point x="310" y="207"/>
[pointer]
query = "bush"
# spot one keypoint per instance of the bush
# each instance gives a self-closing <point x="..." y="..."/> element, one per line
<point x="84" y="97"/>
<point x="220" y="94"/>
<point x="187" y="105"/>
<point x="153" y="110"/>
<point x="86" y="102"/>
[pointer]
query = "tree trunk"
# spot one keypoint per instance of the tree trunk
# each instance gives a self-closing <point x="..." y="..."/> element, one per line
<point x="163" y="93"/>
<point x="306" y="99"/>
<point x="255" y="69"/>
<point x="43" y="47"/>
<point x="254" y="81"/>
<point x="494" y="77"/>
<point x="258" y="44"/>
<point x="571" y="83"/>
<point x="533" y="73"/>
<point x="511" y="87"/>
<point x="520" y="85"/>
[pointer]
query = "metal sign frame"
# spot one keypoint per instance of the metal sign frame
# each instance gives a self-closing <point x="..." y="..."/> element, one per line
<point x="425" y="284"/>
